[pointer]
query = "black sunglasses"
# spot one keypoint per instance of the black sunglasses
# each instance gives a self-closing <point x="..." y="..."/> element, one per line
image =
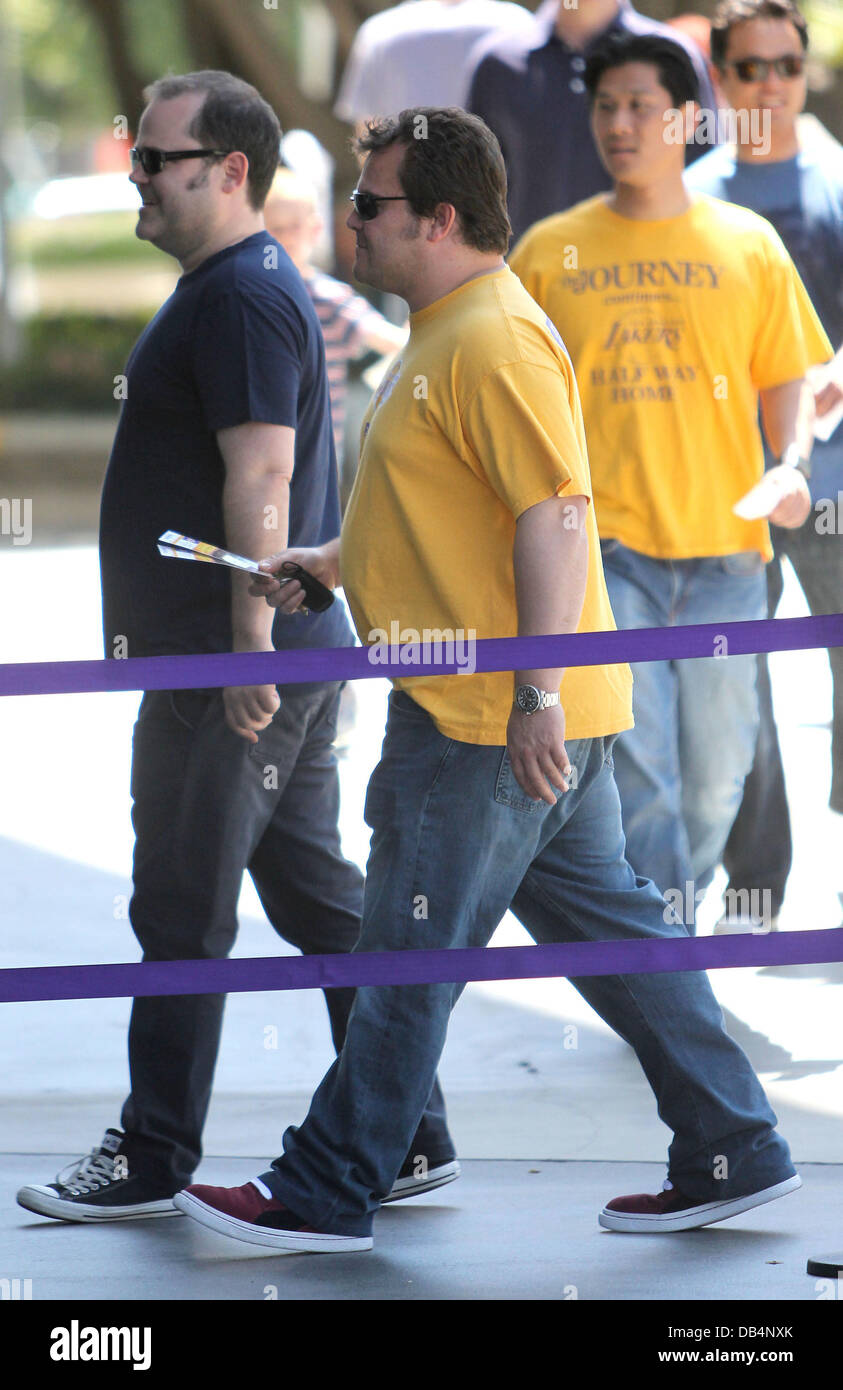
<point x="758" y="69"/>
<point x="152" y="161"/>
<point x="366" y="204"/>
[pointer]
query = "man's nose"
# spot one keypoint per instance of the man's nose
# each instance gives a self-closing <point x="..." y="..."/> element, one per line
<point x="772" y="84"/>
<point x="137" y="175"/>
<point x="620" y="121"/>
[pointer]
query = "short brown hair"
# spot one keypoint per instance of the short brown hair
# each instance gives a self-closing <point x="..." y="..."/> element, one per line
<point x="233" y="116"/>
<point x="452" y="157"/>
<point x="730" y="13"/>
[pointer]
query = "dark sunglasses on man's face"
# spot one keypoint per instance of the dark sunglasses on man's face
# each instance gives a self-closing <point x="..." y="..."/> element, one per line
<point x="152" y="161"/>
<point x="366" y="204"/>
<point x="758" y="69"/>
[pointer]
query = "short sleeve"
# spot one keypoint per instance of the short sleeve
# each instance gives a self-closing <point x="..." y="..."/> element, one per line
<point x="790" y="337"/>
<point x="247" y="356"/>
<point x="356" y="98"/>
<point x="521" y="435"/>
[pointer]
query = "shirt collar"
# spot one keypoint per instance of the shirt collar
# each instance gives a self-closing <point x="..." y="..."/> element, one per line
<point x="545" y="23"/>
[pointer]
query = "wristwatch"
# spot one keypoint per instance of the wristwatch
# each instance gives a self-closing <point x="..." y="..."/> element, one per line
<point x="793" y="459"/>
<point x="530" y="700"/>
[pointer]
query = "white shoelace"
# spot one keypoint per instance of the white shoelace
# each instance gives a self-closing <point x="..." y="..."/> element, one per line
<point x="87" y="1174"/>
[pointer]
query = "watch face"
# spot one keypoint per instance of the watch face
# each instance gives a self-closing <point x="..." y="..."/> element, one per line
<point x="528" y="698"/>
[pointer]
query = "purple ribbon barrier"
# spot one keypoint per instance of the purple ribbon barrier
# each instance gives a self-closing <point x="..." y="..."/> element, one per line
<point x="354" y="663"/>
<point x="570" y="960"/>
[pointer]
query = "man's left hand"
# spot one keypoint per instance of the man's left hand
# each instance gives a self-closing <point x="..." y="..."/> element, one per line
<point x="536" y="747"/>
<point x="250" y="708"/>
<point x="794" y="505"/>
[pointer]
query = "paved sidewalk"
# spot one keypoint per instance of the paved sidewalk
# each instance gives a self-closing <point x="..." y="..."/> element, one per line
<point x="532" y="1077"/>
<point x="505" y="1230"/>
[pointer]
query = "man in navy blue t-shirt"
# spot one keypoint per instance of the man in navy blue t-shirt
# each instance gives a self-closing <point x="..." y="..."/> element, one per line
<point x="225" y="435"/>
<point x="795" y="180"/>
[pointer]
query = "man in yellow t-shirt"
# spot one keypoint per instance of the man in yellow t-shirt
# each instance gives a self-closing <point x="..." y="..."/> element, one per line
<point x="679" y="312"/>
<point x="471" y="516"/>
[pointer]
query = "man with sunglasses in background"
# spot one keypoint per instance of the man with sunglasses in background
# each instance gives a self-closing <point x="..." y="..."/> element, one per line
<point x="759" y="48"/>
<point x="472" y="510"/>
<point x="225" y="435"/>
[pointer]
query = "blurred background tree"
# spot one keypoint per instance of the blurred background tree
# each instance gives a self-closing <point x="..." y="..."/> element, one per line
<point x="81" y="59"/>
<point x="70" y="68"/>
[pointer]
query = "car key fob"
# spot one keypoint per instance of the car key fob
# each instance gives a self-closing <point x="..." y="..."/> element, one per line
<point x="316" y="596"/>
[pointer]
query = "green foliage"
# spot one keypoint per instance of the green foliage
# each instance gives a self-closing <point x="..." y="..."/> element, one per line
<point x="69" y="362"/>
<point x="56" y="46"/>
<point x="63" y="62"/>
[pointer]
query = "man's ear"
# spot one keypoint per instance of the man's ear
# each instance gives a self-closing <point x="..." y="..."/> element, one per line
<point x="235" y="168"/>
<point x="443" y="221"/>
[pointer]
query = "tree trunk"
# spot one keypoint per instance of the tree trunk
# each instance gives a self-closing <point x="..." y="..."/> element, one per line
<point x="205" y="47"/>
<point x="110" y="19"/>
<point x="256" y="56"/>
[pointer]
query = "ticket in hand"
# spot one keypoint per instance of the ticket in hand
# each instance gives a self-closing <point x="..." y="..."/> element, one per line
<point x="761" y="500"/>
<point x="179" y="547"/>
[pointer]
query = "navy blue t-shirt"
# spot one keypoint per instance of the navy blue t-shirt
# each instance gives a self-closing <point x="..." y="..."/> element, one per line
<point x="237" y="341"/>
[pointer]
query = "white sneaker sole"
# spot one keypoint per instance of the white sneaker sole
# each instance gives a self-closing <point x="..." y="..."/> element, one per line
<point x="44" y="1202"/>
<point x="414" y="1187"/>
<point x="704" y="1215"/>
<point x="316" y="1242"/>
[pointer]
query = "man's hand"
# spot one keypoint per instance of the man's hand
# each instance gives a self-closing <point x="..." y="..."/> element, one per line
<point x="536" y="747"/>
<point x="322" y="561"/>
<point x="794" y="505"/>
<point x="250" y="708"/>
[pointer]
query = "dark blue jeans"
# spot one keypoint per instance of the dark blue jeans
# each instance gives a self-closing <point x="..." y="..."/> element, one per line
<point x="759" y="851"/>
<point x="451" y="828"/>
<point x="207" y="806"/>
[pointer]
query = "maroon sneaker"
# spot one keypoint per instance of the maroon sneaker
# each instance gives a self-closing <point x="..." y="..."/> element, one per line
<point x="670" y="1210"/>
<point x="252" y="1214"/>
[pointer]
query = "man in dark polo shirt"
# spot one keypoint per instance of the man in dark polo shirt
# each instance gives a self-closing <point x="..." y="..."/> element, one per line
<point x="529" y="89"/>
<point x="225" y="435"/>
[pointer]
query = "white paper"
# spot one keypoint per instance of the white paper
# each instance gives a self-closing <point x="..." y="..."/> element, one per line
<point x="761" y="500"/>
<point x="178" y="547"/>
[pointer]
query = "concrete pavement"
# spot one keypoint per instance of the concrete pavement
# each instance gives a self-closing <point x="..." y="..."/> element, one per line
<point x="518" y="1095"/>
<point x="510" y="1230"/>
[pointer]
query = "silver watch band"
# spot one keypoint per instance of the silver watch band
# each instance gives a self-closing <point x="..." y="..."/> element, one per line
<point x="530" y="700"/>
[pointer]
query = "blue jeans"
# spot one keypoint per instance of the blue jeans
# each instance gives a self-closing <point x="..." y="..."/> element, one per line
<point x="681" y="770"/>
<point x="451" y="829"/>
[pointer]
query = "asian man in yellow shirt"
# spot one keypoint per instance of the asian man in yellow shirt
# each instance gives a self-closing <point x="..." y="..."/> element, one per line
<point x="680" y="312"/>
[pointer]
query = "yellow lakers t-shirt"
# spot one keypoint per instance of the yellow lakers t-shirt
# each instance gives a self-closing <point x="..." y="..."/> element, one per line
<point x="478" y="420"/>
<point x="673" y="327"/>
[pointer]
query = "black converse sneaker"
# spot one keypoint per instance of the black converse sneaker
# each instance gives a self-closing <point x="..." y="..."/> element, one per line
<point x="415" y="1178"/>
<point x="99" y="1187"/>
